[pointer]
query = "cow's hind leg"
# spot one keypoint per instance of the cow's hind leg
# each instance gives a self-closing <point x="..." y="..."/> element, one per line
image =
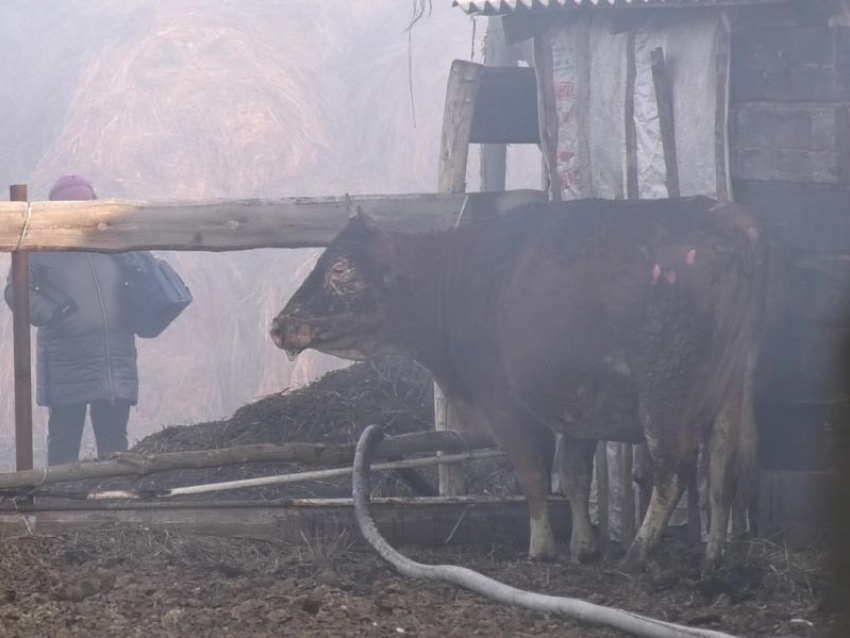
<point x="575" y="471"/>
<point x="671" y="463"/>
<point x="731" y="459"/>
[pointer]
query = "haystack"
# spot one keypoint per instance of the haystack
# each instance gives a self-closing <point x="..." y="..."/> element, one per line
<point x="392" y="392"/>
<point x="238" y="99"/>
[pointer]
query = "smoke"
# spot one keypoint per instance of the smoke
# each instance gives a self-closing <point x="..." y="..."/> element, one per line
<point x="243" y="99"/>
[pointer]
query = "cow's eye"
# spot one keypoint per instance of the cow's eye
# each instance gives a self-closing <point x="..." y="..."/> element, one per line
<point x="340" y="267"/>
<point x="342" y="278"/>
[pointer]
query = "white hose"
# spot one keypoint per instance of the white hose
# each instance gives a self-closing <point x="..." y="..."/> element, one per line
<point x="628" y="622"/>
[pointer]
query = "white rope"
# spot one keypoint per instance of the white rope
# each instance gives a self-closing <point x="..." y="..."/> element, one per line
<point x="25" y="226"/>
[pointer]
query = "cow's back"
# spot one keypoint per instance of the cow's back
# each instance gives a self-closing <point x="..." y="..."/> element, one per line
<point x="594" y="302"/>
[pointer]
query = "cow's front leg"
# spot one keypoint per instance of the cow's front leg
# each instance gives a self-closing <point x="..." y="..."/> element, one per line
<point x="516" y="437"/>
<point x="575" y="471"/>
<point x="529" y="447"/>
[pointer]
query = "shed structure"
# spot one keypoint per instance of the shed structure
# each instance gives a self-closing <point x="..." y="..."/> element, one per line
<point x="735" y="99"/>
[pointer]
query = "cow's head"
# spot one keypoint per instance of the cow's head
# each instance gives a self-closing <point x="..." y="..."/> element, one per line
<point x="342" y="306"/>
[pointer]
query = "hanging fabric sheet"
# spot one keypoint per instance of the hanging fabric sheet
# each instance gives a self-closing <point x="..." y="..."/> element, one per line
<point x="583" y="90"/>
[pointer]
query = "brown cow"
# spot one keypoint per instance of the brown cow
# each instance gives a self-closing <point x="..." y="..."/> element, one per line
<point x="601" y="320"/>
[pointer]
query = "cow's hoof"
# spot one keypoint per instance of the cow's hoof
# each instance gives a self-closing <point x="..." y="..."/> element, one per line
<point x="634" y="560"/>
<point x="542" y="546"/>
<point x="550" y="556"/>
<point x="585" y="554"/>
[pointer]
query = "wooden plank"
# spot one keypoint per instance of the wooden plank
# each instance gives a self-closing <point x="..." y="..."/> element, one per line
<point x="694" y="514"/>
<point x="721" y="114"/>
<point x="506" y="107"/>
<point x="21" y="348"/>
<point x="793" y="506"/>
<point x="603" y="493"/>
<point x="494" y="157"/>
<point x="221" y="225"/>
<point x="461" y="93"/>
<point x="808" y="143"/>
<point x="804" y="217"/>
<point x="786" y="63"/>
<point x="627" y="493"/>
<point x="429" y="522"/>
<point x="643" y="477"/>
<point x="549" y="120"/>
<point x="321" y="454"/>
<point x="664" y="99"/>
<point x="632" y="189"/>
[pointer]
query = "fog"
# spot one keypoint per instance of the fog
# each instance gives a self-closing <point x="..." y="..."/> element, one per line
<point x="224" y="99"/>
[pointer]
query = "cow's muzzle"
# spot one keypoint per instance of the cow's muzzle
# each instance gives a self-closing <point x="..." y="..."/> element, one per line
<point x="292" y="340"/>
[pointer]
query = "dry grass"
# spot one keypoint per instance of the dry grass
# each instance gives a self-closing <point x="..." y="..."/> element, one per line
<point x="800" y="573"/>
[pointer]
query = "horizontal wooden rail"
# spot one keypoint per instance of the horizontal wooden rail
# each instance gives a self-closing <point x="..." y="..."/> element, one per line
<point x="220" y="225"/>
<point x="321" y="454"/>
<point x="421" y="521"/>
<point x="277" y="479"/>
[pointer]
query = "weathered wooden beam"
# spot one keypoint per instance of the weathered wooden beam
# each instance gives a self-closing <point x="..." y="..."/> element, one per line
<point x="220" y="225"/>
<point x="627" y="493"/>
<point x="603" y="495"/>
<point x="494" y="157"/>
<point x="461" y="93"/>
<point x="280" y="479"/>
<point x="130" y="464"/>
<point x="419" y="521"/>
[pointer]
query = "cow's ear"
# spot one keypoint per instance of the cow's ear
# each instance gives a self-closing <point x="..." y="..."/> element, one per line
<point x="364" y="221"/>
<point x="356" y="214"/>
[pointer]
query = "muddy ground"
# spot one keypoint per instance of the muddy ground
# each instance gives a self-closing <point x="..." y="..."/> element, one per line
<point x="119" y="581"/>
<point x="127" y="583"/>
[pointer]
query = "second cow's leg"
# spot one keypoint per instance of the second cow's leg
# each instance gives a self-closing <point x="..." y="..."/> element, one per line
<point x="673" y="450"/>
<point x="731" y="457"/>
<point x="575" y="472"/>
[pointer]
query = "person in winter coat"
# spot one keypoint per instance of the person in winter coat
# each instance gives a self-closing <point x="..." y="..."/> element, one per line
<point x="85" y="342"/>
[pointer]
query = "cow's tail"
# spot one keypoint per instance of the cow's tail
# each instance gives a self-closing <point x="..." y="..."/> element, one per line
<point x="746" y="348"/>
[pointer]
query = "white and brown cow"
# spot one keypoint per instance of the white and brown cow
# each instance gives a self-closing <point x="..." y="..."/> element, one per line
<point x="600" y="320"/>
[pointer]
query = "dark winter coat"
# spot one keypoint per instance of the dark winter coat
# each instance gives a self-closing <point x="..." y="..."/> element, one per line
<point x="86" y="345"/>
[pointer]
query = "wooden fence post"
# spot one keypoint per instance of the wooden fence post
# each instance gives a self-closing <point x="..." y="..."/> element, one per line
<point x="454" y="153"/>
<point x="21" y="346"/>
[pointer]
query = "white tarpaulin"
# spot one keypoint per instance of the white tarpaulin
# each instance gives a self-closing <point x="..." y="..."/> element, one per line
<point x="587" y="86"/>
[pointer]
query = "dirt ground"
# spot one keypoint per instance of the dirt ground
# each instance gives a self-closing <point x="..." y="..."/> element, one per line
<point x="127" y="583"/>
<point x="121" y="581"/>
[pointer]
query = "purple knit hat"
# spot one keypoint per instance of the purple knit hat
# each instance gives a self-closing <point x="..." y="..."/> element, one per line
<point x="72" y="188"/>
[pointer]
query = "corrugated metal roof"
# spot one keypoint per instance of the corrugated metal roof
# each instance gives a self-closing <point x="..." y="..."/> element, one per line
<point x="500" y="7"/>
